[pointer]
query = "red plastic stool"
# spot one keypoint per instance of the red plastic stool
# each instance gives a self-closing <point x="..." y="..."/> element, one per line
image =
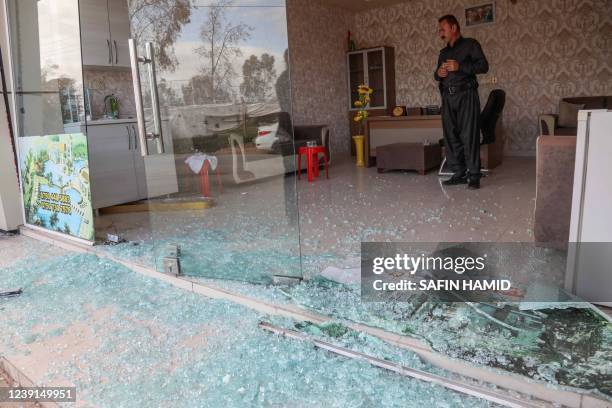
<point x="312" y="161"/>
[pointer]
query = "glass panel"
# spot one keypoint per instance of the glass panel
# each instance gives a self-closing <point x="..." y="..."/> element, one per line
<point x="53" y="152"/>
<point x="47" y="58"/>
<point x="376" y="78"/>
<point x="222" y="192"/>
<point x="357" y="75"/>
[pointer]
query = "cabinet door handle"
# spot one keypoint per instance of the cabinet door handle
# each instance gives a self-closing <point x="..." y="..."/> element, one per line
<point x="116" y="52"/>
<point x="110" y="51"/>
<point x="129" y="134"/>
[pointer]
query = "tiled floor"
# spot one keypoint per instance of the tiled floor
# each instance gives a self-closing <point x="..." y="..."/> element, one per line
<point x="336" y="215"/>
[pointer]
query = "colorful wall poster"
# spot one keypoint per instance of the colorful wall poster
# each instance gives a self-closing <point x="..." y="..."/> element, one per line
<point x="55" y="182"/>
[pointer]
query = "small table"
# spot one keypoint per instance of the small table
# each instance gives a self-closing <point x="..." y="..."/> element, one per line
<point x="312" y="161"/>
<point x="408" y="156"/>
<point x="200" y="164"/>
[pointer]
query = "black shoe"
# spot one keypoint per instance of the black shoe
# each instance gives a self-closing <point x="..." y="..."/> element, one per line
<point x="474" y="184"/>
<point x="455" y="180"/>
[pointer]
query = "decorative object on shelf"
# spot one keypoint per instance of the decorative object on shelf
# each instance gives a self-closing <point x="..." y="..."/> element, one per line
<point x="432" y="110"/>
<point x="351" y="43"/>
<point x="480" y="14"/>
<point x="364" y="93"/>
<point x="399" y="111"/>
<point x="111" y="107"/>
<point x="414" y="111"/>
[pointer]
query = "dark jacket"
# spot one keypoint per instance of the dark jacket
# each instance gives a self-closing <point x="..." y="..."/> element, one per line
<point x="468" y="53"/>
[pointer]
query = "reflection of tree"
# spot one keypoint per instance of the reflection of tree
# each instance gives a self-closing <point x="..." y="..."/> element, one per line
<point x="167" y="94"/>
<point x="160" y="21"/>
<point x="258" y="75"/>
<point x="220" y="47"/>
<point x="197" y="91"/>
<point x="283" y="87"/>
<point x="66" y="229"/>
<point x="54" y="80"/>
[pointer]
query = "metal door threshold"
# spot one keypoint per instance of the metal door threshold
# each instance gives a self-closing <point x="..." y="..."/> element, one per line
<point x="492" y="395"/>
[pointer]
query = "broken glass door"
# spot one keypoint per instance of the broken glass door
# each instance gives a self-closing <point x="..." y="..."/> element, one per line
<point x="213" y="137"/>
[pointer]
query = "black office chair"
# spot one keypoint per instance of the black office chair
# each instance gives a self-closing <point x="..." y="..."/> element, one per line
<point x="488" y="123"/>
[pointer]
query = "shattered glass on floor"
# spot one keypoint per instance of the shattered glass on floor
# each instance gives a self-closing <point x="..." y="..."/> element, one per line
<point x="247" y="238"/>
<point x="252" y="232"/>
<point x="565" y="345"/>
<point x="127" y="340"/>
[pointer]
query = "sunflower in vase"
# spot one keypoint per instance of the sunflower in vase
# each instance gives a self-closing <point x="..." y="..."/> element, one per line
<point x="365" y="93"/>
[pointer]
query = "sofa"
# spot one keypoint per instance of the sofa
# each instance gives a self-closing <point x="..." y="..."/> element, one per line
<point x="554" y="186"/>
<point x="248" y="166"/>
<point x="550" y="125"/>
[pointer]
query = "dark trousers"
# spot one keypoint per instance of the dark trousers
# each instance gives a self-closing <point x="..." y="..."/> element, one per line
<point x="461" y="125"/>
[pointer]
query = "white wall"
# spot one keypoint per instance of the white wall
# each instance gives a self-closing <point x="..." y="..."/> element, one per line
<point x="10" y="198"/>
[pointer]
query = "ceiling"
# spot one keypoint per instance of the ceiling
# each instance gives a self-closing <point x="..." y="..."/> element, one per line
<point x="360" y="5"/>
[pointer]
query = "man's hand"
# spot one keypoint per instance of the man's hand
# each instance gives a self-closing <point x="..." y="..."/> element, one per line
<point x="451" y="65"/>
<point x="442" y="71"/>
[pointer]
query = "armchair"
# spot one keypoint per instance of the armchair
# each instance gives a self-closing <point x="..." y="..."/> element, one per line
<point x="548" y="123"/>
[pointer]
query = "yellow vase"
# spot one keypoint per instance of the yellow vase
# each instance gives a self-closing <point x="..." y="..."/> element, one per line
<point x="359" y="150"/>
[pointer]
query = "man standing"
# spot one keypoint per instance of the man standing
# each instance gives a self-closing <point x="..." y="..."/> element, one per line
<point x="458" y="64"/>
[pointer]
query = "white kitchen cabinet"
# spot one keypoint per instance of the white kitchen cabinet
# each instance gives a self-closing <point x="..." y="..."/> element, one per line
<point x="105" y="31"/>
<point x="95" y="35"/>
<point x="118" y="172"/>
<point x="119" y="26"/>
<point x="111" y="165"/>
<point x="156" y="173"/>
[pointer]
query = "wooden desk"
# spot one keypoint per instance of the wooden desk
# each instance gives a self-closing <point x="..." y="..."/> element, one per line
<point x="385" y="130"/>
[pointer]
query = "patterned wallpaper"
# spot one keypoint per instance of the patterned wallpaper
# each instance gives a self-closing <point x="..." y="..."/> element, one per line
<point x="104" y="82"/>
<point x="539" y="51"/>
<point x="317" y="43"/>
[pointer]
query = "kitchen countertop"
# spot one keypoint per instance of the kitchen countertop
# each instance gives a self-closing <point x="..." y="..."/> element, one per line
<point x="95" y="122"/>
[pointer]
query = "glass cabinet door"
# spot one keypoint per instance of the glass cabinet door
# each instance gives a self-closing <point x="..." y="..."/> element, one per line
<point x="376" y="78"/>
<point x="357" y="76"/>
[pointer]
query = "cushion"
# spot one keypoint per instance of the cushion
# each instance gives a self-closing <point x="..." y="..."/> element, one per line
<point x="589" y="102"/>
<point x="568" y="114"/>
<point x="566" y="131"/>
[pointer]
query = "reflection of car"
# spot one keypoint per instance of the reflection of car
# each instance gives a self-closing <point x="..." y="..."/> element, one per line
<point x="266" y="136"/>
